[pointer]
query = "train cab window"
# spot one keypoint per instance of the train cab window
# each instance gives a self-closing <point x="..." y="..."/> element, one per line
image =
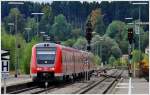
<point x="46" y="55"/>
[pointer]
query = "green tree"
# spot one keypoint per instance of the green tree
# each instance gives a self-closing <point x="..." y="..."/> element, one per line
<point x="15" y="15"/>
<point x="75" y="33"/>
<point x="47" y="19"/>
<point x="80" y="43"/>
<point x="108" y="47"/>
<point x="97" y="60"/>
<point x="26" y="58"/>
<point x="100" y="26"/>
<point x="30" y="23"/>
<point x="135" y="56"/>
<point x="61" y="29"/>
<point x="111" y="60"/>
<point x="118" y="31"/>
<point x="116" y="51"/>
<point x="69" y="42"/>
<point x="8" y="44"/>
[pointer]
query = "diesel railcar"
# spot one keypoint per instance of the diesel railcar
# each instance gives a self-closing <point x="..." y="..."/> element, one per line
<point x="50" y="61"/>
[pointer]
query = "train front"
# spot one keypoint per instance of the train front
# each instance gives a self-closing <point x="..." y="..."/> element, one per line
<point x="43" y="62"/>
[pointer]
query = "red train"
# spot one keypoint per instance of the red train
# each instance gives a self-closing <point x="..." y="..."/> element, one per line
<point x="51" y="61"/>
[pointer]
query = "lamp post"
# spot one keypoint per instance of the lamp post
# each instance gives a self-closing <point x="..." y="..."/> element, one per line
<point x="36" y="14"/>
<point x="10" y="25"/>
<point x="17" y="46"/>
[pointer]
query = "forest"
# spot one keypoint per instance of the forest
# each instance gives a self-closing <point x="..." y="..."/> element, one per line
<point x="64" y="22"/>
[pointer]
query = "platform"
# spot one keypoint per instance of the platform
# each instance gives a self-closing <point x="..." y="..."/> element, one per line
<point x="11" y="80"/>
<point x="132" y="86"/>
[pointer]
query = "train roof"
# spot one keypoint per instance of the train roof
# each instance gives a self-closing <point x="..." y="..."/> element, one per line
<point x="54" y="45"/>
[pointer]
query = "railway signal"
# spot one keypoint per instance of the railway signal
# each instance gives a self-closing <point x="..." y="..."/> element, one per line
<point x="88" y="38"/>
<point x="130" y="35"/>
<point x="88" y="34"/>
<point x="131" y="40"/>
<point x="89" y="31"/>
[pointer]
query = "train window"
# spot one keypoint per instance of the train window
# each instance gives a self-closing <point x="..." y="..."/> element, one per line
<point x="66" y="58"/>
<point x="46" y="55"/>
<point x="63" y="57"/>
<point x="46" y="48"/>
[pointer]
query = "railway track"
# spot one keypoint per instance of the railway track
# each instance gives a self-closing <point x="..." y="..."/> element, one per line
<point x="35" y="89"/>
<point x="13" y="89"/>
<point x="32" y="88"/>
<point x="88" y="88"/>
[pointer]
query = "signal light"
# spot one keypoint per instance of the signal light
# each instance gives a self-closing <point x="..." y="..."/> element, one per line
<point x="130" y="35"/>
<point x="130" y="56"/>
<point x="88" y="31"/>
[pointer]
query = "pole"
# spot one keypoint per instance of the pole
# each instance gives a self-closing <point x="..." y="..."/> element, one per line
<point x="4" y="84"/>
<point x="129" y="59"/>
<point x="37" y="25"/>
<point x="139" y="30"/>
<point x="10" y="29"/>
<point x="28" y="35"/>
<point x="87" y="67"/>
<point x="16" y="66"/>
<point x="97" y="50"/>
<point x="46" y="84"/>
<point x="101" y="51"/>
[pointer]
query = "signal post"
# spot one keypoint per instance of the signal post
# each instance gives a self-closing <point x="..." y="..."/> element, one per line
<point x="130" y="47"/>
<point x="88" y="38"/>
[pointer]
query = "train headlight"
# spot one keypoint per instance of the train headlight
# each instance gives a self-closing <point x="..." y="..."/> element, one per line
<point x="39" y="68"/>
<point x="52" y="68"/>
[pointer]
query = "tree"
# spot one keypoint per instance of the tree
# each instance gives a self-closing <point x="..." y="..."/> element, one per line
<point x="8" y="44"/>
<point x="100" y="26"/>
<point x="69" y="42"/>
<point x="80" y="43"/>
<point x="96" y="18"/>
<point x="123" y="45"/>
<point x="61" y="29"/>
<point x="26" y="57"/>
<point x="30" y="23"/>
<point x="97" y="60"/>
<point x="116" y="51"/>
<point x="118" y="31"/>
<point x="75" y="33"/>
<point x="15" y="15"/>
<point x="135" y="54"/>
<point x="144" y="40"/>
<point x="108" y="47"/>
<point x="111" y="60"/>
<point x="47" y="19"/>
